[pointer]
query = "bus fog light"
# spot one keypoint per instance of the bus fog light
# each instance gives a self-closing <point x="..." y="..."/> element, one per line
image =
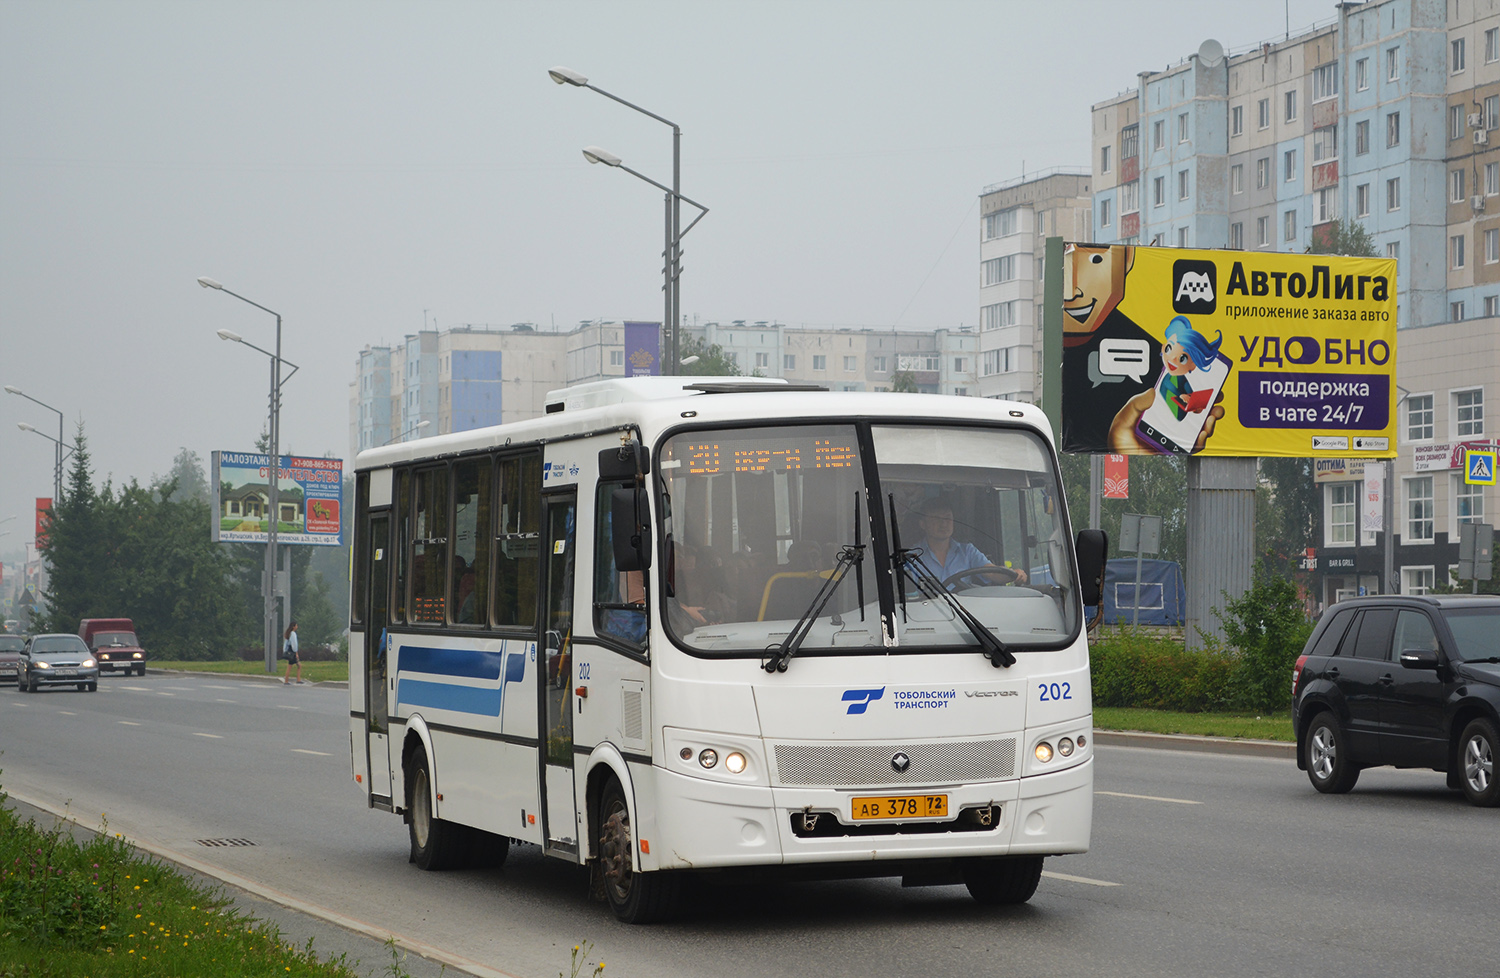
<point x="734" y="762"/>
<point x="708" y="757"/>
<point x="1082" y="742"/>
<point x="686" y="753"/>
<point x="1044" y="752"/>
<point x="1065" y="747"/>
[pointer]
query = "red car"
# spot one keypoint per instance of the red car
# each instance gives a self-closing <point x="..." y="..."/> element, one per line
<point x="113" y="642"/>
<point x="10" y="657"/>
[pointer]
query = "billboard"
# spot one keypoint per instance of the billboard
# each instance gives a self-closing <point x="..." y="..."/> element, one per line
<point x="1182" y="351"/>
<point x="309" y="495"/>
<point x="642" y="349"/>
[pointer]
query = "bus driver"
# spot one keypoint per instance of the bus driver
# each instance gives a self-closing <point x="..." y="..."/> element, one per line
<point x="946" y="557"/>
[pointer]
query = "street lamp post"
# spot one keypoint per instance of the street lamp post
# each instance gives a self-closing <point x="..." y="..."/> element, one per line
<point x="273" y="468"/>
<point x="58" y="462"/>
<point x="672" y="255"/>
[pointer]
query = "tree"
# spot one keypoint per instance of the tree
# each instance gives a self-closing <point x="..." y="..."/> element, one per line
<point x="187" y="473"/>
<point x="1288" y="505"/>
<point x="904" y="382"/>
<point x="1343" y="237"/>
<point x="712" y="360"/>
<point x="79" y="561"/>
<point x="1158" y="487"/>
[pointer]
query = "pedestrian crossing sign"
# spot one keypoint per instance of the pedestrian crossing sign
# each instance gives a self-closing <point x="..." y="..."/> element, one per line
<point x="1479" y="468"/>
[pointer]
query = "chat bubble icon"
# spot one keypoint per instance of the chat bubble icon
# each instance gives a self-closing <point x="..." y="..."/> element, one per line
<point x="1125" y="358"/>
<point x="1095" y="377"/>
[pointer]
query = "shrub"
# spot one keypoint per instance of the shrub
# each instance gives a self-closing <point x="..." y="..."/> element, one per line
<point x="1130" y="669"/>
<point x="1267" y="627"/>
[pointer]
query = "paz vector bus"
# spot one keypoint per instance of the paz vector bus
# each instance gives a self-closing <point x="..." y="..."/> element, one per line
<point x="687" y="626"/>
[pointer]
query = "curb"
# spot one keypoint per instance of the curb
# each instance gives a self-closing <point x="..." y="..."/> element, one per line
<point x="1278" y="749"/>
<point x="243" y="677"/>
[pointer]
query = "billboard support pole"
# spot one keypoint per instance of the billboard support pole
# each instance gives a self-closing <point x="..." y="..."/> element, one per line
<point x="1388" y="530"/>
<point x="1220" y="539"/>
<point x="1052" y="335"/>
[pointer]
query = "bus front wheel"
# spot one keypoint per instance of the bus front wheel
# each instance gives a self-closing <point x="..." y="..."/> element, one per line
<point x="999" y="882"/>
<point x="635" y="897"/>
<point x="434" y="842"/>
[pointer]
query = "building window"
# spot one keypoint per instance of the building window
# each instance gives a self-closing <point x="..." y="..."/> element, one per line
<point x="1419" y="510"/>
<point x="1325" y="143"/>
<point x="1361" y="74"/>
<point x="1455" y="122"/>
<point x="1456" y="185"/>
<point x="1182" y="127"/>
<point x="1362" y="137"/>
<point x="1182" y="185"/>
<point x="1456" y="55"/>
<point x="1492" y="45"/>
<point x="1491" y="306"/>
<point x="1393" y="64"/>
<point x="1291" y="106"/>
<point x="1362" y="200"/>
<point x="879" y="364"/>
<point x="1492" y="246"/>
<point x="1104" y="221"/>
<point x="1262" y="173"/>
<point x="1419" y="417"/>
<point x="1130" y="142"/>
<point x="1393" y="129"/>
<point x="851" y="364"/>
<point x="1104" y="159"/>
<point x="1416" y="580"/>
<point x="1393" y="194"/>
<point x="1237" y="178"/>
<point x="999" y="224"/>
<point x="1156" y="240"/>
<point x="1393" y="250"/>
<point x="989" y="363"/>
<point x="1289" y="165"/>
<point x="1468" y="501"/>
<point x="1158" y="191"/>
<point x="1492" y="112"/>
<point x="762" y="361"/>
<point x="998" y="271"/>
<point x="1326" y="205"/>
<point x="997" y="314"/>
<point x="1182" y="237"/>
<point x="617" y="358"/>
<point x="1325" y="81"/>
<point x="1130" y="198"/>
<point x="1343" y="507"/>
<point x="1289" y="225"/>
<point x="820" y="361"/>
<point x="1158" y="134"/>
<point x="1491" y="179"/>
<point x="1237" y="120"/>
<point x="789" y="361"/>
<point x="1262" y="231"/>
<point x="1456" y="250"/>
<point x="1456" y="312"/>
<point x="1468" y="413"/>
<point x="1237" y="236"/>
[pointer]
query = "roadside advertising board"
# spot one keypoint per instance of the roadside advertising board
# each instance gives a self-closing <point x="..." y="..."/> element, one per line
<point x="309" y="495"/>
<point x="1237" y="353"/>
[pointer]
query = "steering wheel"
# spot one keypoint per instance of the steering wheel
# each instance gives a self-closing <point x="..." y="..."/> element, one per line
<point x="1006" y="575"/>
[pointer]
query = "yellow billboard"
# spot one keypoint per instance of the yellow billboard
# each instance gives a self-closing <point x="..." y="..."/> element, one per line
<point x="1182" y="351"/>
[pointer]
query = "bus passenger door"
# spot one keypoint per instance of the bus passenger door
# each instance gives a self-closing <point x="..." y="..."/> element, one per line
<point x="556" y="677"/>
<point x="377" y="572"/>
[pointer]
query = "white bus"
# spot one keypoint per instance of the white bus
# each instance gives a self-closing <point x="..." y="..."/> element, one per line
<point x="724" y="626"/>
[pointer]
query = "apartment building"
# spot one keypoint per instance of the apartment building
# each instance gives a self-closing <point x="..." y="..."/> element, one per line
<point x="1016" y="218"/>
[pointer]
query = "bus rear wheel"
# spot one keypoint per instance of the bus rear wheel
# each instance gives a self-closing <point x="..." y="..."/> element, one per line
<point x="635" y="897"/>
<point x="434" y="842"/>
<point x="1005" y="881"/>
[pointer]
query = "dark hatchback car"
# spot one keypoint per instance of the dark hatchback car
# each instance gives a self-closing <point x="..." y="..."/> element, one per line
<point x="10" y="656"/>
<point x="1402" y="681"/>
<point x="58" y="660"/>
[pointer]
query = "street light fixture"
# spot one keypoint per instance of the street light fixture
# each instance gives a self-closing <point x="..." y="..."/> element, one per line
<point x="273" y="468"/>
<point x="58" y="461"/>
<point x="672" y="265"/>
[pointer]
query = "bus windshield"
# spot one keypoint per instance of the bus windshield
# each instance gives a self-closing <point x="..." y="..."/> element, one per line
<point x="758" y="519"/>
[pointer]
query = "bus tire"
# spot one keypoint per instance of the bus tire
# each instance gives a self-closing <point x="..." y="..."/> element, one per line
<point x="487" y="850"/>
<point x="635" y="898"/>
<point x="434" y="842"/>
<point x="1002" y="882"/>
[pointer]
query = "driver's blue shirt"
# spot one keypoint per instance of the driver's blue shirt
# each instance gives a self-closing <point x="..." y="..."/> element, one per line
<point x="961" y="557"/>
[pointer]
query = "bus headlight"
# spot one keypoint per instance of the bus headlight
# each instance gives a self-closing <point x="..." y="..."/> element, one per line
<point x="734" y="762"/>
<point x="1065" y="747"/>
<point x="1044" y="752"/>
<point x="708" y="757"/>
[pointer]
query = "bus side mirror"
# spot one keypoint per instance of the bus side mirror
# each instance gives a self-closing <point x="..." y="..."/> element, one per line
<point x="1092" y="551"/>
<point x="631" y="535"/>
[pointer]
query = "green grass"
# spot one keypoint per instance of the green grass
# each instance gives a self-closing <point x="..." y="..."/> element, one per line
<point x="1273" y="726"/>
<point x="313" y="672"/>
<point x="98" y="908"/>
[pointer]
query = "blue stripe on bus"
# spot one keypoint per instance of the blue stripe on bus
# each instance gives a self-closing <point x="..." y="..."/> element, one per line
<point x="459" y="663"/>
<point x="443" y="696"/>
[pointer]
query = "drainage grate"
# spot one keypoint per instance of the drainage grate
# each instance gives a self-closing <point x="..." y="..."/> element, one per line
<point x="215" y="843"/>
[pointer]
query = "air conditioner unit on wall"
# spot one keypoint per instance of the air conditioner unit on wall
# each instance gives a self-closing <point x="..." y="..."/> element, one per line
<point x="1477" y="202"/>
<point x="1481" y="137"/>
<point x="1474" y="119"/>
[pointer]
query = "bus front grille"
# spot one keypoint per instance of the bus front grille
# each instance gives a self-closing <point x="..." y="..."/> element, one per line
<point x="868" y="765"/>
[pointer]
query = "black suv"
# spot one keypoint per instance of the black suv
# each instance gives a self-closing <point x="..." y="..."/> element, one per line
<point x="1406" y="681"/>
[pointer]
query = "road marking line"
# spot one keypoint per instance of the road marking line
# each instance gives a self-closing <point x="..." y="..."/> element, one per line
<point x="283" y="706"/>
<point x="299" y="750"/>
<point x="214" y="736"/>
<point x="160" y="693"/>
<point x="218" y="687"/>
<point x="224" y="701"/>
<point x="138" y="689"/>
<point x="130" y="723"/>
<point x="67" y="713"/>
<point x="1123" y="794"/>
<point x="1077" y="879"/>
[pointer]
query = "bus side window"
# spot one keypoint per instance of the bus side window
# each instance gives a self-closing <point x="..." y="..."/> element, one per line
<point x="518" y="532"/>
<point x="403" y="543"/>
<point x="471" y="534"/>
<point x="429" y="563"/>
<point x="619" y="596"/>
<point x="361" y="540"/>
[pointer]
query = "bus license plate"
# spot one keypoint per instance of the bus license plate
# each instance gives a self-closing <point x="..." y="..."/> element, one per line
<point x="899" y="806"/>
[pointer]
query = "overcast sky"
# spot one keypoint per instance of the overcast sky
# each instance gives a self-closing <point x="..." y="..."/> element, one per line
<point x="363" y="168"/>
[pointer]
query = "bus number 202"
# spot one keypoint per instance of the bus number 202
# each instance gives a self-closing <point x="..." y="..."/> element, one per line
<point x="1055" y="691"/>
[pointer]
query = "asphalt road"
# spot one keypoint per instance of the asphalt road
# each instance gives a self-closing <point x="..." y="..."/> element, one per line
<point x="1202" y="864"/>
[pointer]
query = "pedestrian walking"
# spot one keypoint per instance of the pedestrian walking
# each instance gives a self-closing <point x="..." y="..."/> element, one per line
<point x="289" y="652"/>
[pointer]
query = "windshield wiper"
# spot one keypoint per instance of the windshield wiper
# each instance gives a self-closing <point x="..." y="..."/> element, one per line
<point x="1488" y="658"/>
<point x="850" y="555"/>
<point x="908" y="563"/>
